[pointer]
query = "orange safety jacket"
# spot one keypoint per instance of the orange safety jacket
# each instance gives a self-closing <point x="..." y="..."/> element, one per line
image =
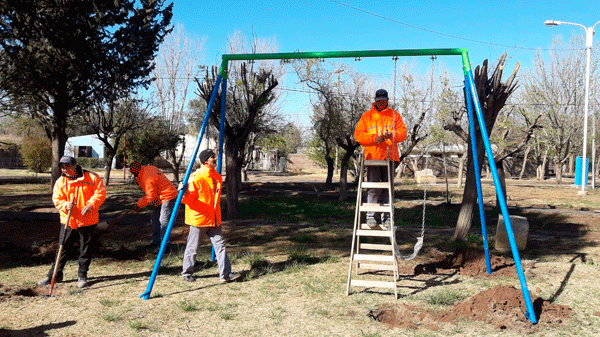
<point x="88" y="189"/>
<point x="373" y="123"/>
<point x="202" y="198"/>
<point x="156" y="186"/>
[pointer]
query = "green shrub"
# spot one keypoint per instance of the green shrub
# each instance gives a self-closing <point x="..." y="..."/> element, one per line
<point x="36" y="152"/>
<point x="89" y="162"/>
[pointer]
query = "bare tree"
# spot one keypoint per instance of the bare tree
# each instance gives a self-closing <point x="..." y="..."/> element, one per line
<point x="176" y="67"/>
<point x="356" y="100"/>
<point x="553" y="89"/>
<point x="250" y="101"/>
<point x="327" y="108"/>
<point x="111" y="121"/>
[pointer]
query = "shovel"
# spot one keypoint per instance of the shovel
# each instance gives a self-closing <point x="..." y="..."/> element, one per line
<point x="60" y="247"/>
<point x="105" y="224"/>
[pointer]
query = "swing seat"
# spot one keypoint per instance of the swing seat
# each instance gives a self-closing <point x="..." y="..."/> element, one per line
<point x="416" y="250"/>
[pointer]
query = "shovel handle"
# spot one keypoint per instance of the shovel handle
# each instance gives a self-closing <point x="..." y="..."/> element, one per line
<point x="60" y="247"/>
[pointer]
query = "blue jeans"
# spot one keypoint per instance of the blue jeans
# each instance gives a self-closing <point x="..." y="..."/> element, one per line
<point x="160" y="220"/>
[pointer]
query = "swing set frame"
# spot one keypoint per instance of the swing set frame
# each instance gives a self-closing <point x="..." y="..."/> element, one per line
<point x="473" y="109"/>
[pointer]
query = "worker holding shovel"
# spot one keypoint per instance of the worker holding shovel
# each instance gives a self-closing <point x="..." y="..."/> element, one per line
<point x="203" y="215"/>
<point x="77" y="194"/>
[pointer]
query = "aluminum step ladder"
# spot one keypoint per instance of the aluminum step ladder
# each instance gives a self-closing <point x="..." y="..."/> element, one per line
<point x="372" y="256"/>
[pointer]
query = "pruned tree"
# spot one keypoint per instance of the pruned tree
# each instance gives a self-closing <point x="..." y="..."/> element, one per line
<point x="250" y="109"/>
<point x="492" y="94"/>
<point x="63" y="55"/>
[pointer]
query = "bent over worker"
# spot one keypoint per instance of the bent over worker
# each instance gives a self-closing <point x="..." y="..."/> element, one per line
<point x="89" y="194"/>
<point x="379" y="130"/>
<point x="160" y="194"/>
<point x="203" y="214"/>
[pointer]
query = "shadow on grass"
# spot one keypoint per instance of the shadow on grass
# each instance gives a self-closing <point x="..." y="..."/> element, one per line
<point x="41" y="330"/>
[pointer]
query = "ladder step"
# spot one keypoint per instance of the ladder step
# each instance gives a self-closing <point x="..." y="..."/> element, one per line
<point x="371" y="257"/>
<point x="365" y="226"/>
<point x="374" y="208"/>
<point x="373" y="284"/>
<point x="370" y="266"/>
<point x="376" y="184"/>
<point x="373" y="232"/>
<point x="376" y="246"/>
<point x="371" y="162"/>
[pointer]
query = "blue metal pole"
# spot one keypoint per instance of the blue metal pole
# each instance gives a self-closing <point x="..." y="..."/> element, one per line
<point x="477" y="174"/>
<point x="163" y="245"/>
<point x="511" y="237"/>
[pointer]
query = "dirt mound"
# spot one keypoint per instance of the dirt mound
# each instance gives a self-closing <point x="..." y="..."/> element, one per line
<point x="502" y="307"/>
<point x="468" y="262"/>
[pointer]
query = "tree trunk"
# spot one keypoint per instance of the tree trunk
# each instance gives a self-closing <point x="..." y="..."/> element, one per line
<point x="329" y="179"/>
<point x="108" y="167"/>
<point x="461" y="168"/>
<point x="571" y="164"/>
<point x="58" y="140"/>
<point x="469" y="200"/>
<point x="232" y="185"/>
<point x="523" y="167"/>
<point x="344" y="175"/>
<point x="502" y="178"/>
<point x="558" y="171"/>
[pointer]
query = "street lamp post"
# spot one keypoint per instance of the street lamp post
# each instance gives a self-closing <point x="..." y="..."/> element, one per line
<point x="589" y="36"/>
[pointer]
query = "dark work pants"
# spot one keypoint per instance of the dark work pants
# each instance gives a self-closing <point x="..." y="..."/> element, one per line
<point x="85" y="235"/>
<point x="377" y="195"/>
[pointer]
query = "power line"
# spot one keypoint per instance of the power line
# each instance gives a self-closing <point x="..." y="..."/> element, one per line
<point x="433" y="31"/>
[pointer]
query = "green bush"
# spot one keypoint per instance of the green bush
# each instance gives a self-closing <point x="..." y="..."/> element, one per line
<point x="36" y="152"/>
<point x="89" y="162"/>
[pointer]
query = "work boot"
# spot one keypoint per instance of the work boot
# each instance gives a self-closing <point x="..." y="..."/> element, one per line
<point x="188" y="278"/>
<point x="372" y="223"/>
<point x="82" y="282"/>
<point x="386" y="225"/>
<point x="231" y="277"/>
<point x="48" y="279"/>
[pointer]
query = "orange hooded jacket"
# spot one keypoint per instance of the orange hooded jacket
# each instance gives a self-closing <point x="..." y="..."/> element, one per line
<point x="373" y="123"/>
<point x="88" y="189"/>
<point x="203" y="198"/>
<point x="156" y="186"/>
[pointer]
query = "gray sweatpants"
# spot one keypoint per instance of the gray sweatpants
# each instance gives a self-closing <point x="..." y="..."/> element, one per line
<point x="216" y="237"/>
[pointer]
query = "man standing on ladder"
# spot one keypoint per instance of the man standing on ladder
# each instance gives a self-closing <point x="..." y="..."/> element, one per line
<point x="379" y="130"/>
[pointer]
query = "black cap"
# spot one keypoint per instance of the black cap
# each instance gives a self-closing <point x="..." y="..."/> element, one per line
<point x="205" y="154"/>
<point x="381" y="95"/>
<point x="67" y="160"/>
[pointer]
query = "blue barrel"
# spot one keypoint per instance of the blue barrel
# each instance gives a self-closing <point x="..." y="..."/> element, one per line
<point x="578" y="168"/>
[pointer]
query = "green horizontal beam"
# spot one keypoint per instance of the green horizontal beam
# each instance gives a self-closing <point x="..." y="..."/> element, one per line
<point x="344" y="54"/>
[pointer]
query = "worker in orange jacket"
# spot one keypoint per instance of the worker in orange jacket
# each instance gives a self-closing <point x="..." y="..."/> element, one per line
<point x="379" y="130"/>
<point x="159" y="193"/>
<point x="86" y="190"/>
<point x="202" y="201"/>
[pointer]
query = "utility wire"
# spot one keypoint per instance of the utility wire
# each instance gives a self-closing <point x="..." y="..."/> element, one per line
<point x="433" y="31"/>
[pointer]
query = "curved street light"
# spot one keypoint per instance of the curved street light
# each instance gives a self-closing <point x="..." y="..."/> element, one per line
<point x="589" y="36"/>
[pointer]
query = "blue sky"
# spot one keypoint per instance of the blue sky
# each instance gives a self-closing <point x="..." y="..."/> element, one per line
<point x="485" y="28"/>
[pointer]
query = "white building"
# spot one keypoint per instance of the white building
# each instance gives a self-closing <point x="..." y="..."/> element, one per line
<point x="88" y="146"/>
